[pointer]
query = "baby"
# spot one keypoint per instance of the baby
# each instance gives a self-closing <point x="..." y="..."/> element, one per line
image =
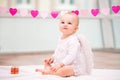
<point x="65" y="61"/>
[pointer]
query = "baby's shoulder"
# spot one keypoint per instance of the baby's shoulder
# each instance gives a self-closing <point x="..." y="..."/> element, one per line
<point x="74" y="40"/>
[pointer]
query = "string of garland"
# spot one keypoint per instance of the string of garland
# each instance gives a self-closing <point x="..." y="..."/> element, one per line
<point x="34" y="13"/>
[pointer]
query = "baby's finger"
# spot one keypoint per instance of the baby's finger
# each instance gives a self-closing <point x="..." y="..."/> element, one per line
<point x="50" y="61"/>
<point x="52" y="68"/>
<point x="45" y="60"/>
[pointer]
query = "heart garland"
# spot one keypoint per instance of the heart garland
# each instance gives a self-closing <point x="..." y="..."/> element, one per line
<point x="95" y="12"/>
<point x="105" y="11"/>
<point x="115" y="9"/>
<point x="43" y="14"/>
<point x="13" y="11"/>
<point x="23" y="12"/>
<point x="84" y="13"/>
<point x="76" y="12"/>
<point x="2" y="10"/>
<point x="34" y="13"/>
<point x="54" y="14"/>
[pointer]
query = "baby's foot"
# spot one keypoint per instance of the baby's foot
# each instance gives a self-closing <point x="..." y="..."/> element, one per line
<point x="47" y="65"/>
<point x="43" y="71"/>
<point x="38" y="70"/>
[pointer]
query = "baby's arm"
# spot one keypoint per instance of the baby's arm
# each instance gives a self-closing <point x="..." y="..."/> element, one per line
<point x="72" y="53"/>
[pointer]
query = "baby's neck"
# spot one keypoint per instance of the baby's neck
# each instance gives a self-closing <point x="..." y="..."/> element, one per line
<point x="65" y="36"/>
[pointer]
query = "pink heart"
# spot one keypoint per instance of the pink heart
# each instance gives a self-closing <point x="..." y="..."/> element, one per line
<point x="105" y="11"/>
<point x="13" y="11"/>
<point x="76" y="12"/>
<point x="43" y="14"/>
<point x="34" y="13"/>
<point x="54" y="14"/>
<point x="95" y="12"/>
<point x="23" y="12"/>
<point x="2" y="10"/>
<point x="63" y="12"/>
<point x="84" y="12"/>
<point x="115" y="9"/>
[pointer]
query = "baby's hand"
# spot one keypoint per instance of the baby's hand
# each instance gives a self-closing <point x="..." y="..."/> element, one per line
<point x="58" y="66"/>
<point x="49" y="60"/>
<point x="55" y="68"/>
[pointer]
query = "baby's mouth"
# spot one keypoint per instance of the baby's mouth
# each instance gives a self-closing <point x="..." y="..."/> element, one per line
<point x="65" y="28"/>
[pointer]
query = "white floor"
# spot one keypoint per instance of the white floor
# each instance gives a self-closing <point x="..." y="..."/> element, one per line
<point x="29" y="73"/>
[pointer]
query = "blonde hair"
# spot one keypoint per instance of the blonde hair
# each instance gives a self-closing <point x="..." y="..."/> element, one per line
<point x="72" y="13"/>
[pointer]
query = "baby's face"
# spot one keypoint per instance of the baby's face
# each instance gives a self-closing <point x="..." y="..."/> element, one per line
<point x="68" y="24"/>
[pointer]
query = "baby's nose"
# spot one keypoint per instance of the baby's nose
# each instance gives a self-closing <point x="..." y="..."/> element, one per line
<point x="65" y="25"/>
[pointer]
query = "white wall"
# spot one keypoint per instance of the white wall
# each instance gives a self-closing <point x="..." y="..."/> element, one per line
<point x="92" y="30"/>
<point x="116" y="30"/>
<point x="28" y="34"/>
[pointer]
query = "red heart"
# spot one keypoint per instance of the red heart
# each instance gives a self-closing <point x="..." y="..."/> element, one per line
<point x="54" y="14"/>
<point x="34" y="13"/>
<point x="13" y="11"/>
<point x="76" y="12"/>
<point x="115" y="9"/>
<point x="95" y="12"/>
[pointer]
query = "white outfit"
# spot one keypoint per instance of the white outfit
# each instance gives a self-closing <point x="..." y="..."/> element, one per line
<point x="68" y="53"/>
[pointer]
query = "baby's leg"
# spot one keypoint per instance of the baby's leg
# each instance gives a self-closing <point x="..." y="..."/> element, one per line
<point x="47" y="66"/>
<point x="47" y="69"/>
<point x="65" y="71"/>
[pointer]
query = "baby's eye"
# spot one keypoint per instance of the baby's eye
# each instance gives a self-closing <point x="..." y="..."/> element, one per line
<point x="62" y="22"/>
<point x="70" y="23"/>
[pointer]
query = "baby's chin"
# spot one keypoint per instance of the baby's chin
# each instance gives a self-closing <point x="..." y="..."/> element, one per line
<point x="64" y="31"/>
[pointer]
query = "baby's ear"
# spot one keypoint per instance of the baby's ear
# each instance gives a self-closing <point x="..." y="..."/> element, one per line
<point x="76" y="28"/>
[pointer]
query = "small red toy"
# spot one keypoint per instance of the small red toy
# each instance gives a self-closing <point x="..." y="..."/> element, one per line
<point x="14" y="70"/>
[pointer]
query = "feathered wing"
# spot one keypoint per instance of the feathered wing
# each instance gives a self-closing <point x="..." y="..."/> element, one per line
<point x="87" y="55"/>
